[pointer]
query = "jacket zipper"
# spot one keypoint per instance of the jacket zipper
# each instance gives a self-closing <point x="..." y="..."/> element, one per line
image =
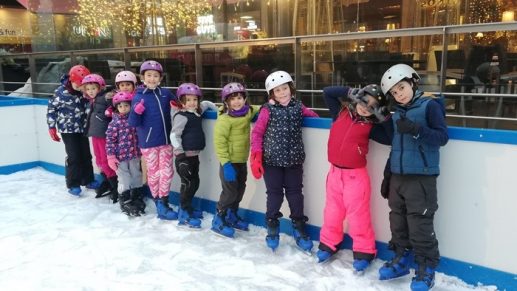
<point x="163" y="118"/>
<point x="422" y="154"/>
<point x="148" y="134"/>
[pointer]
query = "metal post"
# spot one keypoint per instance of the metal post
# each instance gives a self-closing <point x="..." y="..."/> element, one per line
<point x="34" y="75"/>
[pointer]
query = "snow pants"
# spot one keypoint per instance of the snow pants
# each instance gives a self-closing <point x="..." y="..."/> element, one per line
<point x="348" y="196"/>
<point x="188" y="170"/>
<point x="277" y="180"/>
<point x="78" y="164"/>
<point x="159" y="169"/>
<point x="101" y="158"/>
<point x="129" y="175"/>
<point x="232" y="193"/>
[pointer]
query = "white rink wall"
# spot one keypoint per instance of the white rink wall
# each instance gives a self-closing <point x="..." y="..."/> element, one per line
<point x="475" y="223"/>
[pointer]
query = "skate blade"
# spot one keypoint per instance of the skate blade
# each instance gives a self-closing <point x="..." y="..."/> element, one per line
<point x="97" y="196"/>
<point x="189" y="227"/>
<point x="222" y="235"/>
<point x="359" y="273"/>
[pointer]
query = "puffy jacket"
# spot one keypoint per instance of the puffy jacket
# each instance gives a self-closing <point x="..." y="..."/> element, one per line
<point x="232" y="136"/>
<point x="66" y="110"/>
<point x="153" y="126"/>
<point x="121" y="139"/>
<point x="97" y="120"/>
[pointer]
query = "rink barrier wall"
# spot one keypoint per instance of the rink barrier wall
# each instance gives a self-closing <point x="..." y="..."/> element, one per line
<point x="50" y="156"/>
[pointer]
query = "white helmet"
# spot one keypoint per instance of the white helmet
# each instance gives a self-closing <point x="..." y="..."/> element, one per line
<point x="396" y="74"/>
<point x="276" y="79"/>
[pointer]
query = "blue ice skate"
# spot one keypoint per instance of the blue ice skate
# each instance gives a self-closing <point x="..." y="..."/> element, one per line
<point x="273" y="237"/>
<point x="397" y="267"/>
<point x="76" y="191"/>
<point x="219" y="226"/>
<point x="233" y="220"/>
<point x="164" y="211"/>
<point x="186" y="219"/>
<point x="303" y="241"/>
<point x="424" y="279"/>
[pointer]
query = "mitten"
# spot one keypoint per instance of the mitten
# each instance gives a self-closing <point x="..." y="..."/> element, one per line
<point x="405" y="125"/>
<point x="53" y="134"/>
<point x="385" y="186"/>
<point x="229" y="172"/>
<point x="113" y="162"/>
<point x="256" y="165"/>
<point x="140" y="108"/>
<point x="109" y="112"/>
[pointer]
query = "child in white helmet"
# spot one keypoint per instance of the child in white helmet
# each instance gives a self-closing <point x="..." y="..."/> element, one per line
<point x="277" y="153"/>
<point x="418" y="130"/>
<point x="355" y="113"/>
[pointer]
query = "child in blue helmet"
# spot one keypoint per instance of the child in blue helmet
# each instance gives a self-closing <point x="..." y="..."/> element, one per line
<point x="188" y="139"/>
<point x="418" y="130"/>
<point x="150" y="115"/>
<point x="232" y="147"/>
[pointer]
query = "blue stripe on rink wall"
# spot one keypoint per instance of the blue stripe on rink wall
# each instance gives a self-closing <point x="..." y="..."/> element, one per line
<point x="470" y="273"/>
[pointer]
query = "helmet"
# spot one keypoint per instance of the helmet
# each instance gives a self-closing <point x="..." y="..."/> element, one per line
<point x="396" y="74"/>
<point x="231" y="88"/>
<point x="94" y="78"/>
<point x="374" y="91"/>
<point x="276" y="79"/>
<point x="122" y="97"/>
<point x="125" y="76"/>
<point x="189" y="89"/>
<point x="151" y="65"/>
<point x="77" y="73"/>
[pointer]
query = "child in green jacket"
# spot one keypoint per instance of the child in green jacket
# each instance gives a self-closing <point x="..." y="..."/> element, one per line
<point x="232" y="146"/>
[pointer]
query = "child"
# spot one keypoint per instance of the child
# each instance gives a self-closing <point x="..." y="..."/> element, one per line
<point x="93" y="89"/>
<point x="67" y="111"/>
<point x="188" y="140"/>
<point x="125" y="81"/>
<point x="277" y="137"/>
<point x="348" y="184"/>
<point x="418" y="130"/>
<point x="150" y="116"/>
<point x="124" y="156"/>
<point x="232" y="146"/>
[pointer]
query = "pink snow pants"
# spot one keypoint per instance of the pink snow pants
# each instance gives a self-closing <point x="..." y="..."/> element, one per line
<point x="159" y="169"/>
<point x="101" y="159"/>
<point x="348" y="196"/>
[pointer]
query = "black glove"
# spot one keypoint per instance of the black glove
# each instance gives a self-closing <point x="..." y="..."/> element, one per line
<point x="405" y="125"/>
<point x="385" y="186"/>
<point x="355" y="95"/>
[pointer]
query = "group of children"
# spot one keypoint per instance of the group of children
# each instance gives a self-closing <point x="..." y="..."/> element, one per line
<point x="151" y="122"/>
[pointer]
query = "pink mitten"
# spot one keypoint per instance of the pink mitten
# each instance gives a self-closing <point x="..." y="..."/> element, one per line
<point x="113" y="162"/>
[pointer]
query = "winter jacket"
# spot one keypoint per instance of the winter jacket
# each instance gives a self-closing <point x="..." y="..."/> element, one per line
<point x="348" y="141"/>
<point x="419" y="154"/>
<point x="232" y="136"/>
<point x="153" y="126"/>
<point x="187" y="132"/>
<point x="121" y="139"/>
<point x="66" y="110"/>
<point x="97" y="120"/>
<point x="278" y="133"/>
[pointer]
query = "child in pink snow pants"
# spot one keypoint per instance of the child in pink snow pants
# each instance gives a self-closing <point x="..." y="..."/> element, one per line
<point x="150" y="115"/>
<point x="348" y="183"/>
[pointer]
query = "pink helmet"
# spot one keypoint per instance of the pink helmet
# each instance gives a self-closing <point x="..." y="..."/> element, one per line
<point x="94" y="78"/>
<point x="231" y="88"/>
<point x="125" y="76"/>
<point x="151" y="65"/>
<point x="189" y="89"/>
<point x="122" y="97"/>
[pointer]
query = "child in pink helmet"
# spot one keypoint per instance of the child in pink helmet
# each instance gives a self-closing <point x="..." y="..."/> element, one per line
<point x="355" y="112"/>
<point x="124" y="156"/>
<point x="232" y="147"/>
<point x="150" y="111"/>
<point x="93" y="86"/>
<point x="188" y="139"/>
<point x="277" y="152"/>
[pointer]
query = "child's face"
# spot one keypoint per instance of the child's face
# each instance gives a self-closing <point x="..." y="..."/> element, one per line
<point x="77" y="87"/>
<point x="91" y="90"/>
<point x="236" y="102"/>
<point x="402" y="92"/>
<point x="191" y="102"/>
<point x="123" y="108"/>
<point x="362" y="109"/>
<point x="152" y="78"/>
<point x="127" y="87"/>
<point x="282" y="93"/>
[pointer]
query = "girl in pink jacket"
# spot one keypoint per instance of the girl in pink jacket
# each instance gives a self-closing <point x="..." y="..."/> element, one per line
<point x="348" y="183"/>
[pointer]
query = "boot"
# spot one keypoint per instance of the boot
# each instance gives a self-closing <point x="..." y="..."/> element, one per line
<point x="113" y="181"/>
<point x="324" y="253"/>
<point x="163" y="209"/>
<point x="220" y="226"/>
<point x="137" y="195"/>
<point x="104" y="188"/>
<point x="126" y="204"/>
<point x="397" y="267"/>
<point x="424" y="278"/>
<point x="234" y="220"/>
<point x="301" y="238"/>
<point x="185" y="218"/>
<point x="273" y="230"/>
